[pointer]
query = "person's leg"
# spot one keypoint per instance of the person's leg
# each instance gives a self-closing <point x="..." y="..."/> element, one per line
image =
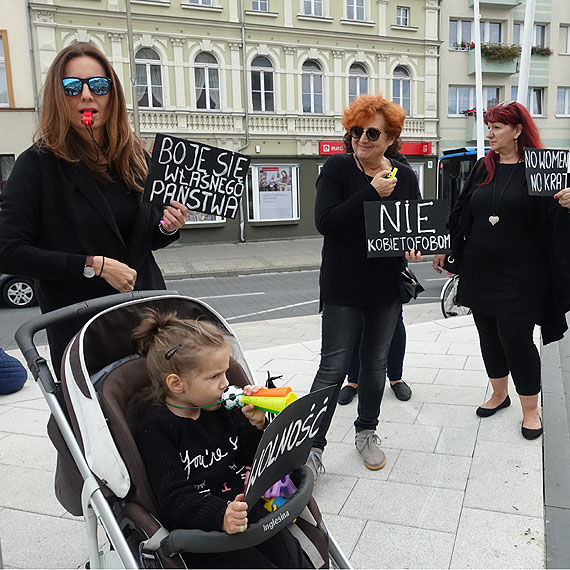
<point x="524" y="363"/>
<point x="494" y="358"/>
<point x="341" y="326"/>
<point x="395" y="364"/>
<point x="347" y="392"/>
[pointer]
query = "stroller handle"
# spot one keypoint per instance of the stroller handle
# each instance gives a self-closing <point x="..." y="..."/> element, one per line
<point x="203" y="542"/>
<point x="25" y="334"/>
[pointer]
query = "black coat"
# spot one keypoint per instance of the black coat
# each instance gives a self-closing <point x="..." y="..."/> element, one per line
<point x="52" y="215"/>
<point x="555" y="229"/>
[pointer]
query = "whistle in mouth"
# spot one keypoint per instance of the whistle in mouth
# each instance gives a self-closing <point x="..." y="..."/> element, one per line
<point x="393" y="173"/>
<point x="87" y="118"/>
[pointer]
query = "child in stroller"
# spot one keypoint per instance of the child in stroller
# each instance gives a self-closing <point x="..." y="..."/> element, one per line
<point x="195" y="451"/>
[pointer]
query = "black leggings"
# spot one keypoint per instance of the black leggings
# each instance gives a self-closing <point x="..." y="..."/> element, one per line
<point x="507" y="346"/>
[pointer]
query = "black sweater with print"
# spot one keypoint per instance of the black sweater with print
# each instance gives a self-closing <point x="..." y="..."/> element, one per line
<point x="196" y="467"/>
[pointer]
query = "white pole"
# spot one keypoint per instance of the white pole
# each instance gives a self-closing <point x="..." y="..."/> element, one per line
<point x="133" y="73"/>
<point x="524" y="69"/>
<point x="478" y="83"/>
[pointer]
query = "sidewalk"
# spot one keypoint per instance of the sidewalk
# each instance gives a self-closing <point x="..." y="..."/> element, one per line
<point x="456" y="492"/>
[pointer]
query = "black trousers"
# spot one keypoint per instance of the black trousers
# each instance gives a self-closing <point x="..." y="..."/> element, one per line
<point x="507" y="346"/>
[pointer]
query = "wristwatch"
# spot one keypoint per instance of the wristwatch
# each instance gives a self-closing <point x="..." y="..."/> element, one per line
<point x="88" y="270"/>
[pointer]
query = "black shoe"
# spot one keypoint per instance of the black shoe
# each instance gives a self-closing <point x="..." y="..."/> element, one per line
<point x="346" y="395"/>
<point x="529" y="433"/>
<point x="486" y="412"/>
<point x="402" y="391"/>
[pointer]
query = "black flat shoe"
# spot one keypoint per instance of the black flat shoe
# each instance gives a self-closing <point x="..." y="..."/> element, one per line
<point x="486" y="412"/>
<point x="402" y="391"/>
<point x="346" y="395"/>
<point x="528" y="433"/>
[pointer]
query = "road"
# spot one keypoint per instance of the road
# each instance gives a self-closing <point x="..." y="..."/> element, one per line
<point x="243" y="298"/>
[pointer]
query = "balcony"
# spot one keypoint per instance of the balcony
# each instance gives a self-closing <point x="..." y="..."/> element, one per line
<point x="501" y="4"/>
<point x="490" y="67"/>
<point x="471" y="131"/>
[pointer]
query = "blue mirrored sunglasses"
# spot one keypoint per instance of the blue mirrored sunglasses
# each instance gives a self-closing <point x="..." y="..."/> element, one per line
<point x="73" y="86"/>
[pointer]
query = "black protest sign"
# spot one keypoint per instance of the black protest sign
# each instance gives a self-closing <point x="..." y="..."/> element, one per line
<point x="394" y="227"/>
<point x="286" y="442"/>
<point x="204" y="178"/>
<point x="547" y="170"/>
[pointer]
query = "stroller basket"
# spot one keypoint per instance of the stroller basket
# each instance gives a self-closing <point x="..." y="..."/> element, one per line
<point x="100" y="473"/>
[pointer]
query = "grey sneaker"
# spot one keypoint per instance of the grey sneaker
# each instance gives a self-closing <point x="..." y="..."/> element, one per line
<point x="315" y="462"/>
<point x="368" y="445"/>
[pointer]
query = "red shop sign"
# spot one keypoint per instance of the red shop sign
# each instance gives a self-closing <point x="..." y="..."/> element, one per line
<point x="330" y="147"/>
<point x="415" y="148"/>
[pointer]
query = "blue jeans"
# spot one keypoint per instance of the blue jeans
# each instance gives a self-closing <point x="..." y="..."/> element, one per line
<point x="341" y="327"/>
<point x="395" y="365"/>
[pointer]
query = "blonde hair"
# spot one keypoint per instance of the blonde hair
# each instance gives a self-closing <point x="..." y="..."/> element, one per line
<point x="123" y="151"/>
<point x="173" y="346"/>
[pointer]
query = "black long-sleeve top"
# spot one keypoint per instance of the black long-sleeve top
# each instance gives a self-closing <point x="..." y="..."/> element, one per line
<point x="348" y="277"/>
<point x="196" y="467"/>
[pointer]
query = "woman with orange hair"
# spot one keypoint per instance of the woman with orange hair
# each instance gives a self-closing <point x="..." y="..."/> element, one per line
<point x="71" y="214"/>
<point x="511" y="251"/>
<point x="359" y="293"/>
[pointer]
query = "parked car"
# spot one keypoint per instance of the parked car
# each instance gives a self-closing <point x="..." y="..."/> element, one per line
<point x="17" y="292"/>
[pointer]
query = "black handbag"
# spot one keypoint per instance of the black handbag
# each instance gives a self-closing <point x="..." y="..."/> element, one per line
<point x="451" y="264"/>
<point x="408" y="286"/>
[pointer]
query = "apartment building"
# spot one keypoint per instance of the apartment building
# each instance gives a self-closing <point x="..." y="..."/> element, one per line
<point x="17" y="91"/>
<point x="501" y="27"/>
<point x="268" y="78"/>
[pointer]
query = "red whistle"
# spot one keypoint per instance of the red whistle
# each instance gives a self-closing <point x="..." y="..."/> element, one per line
<point x="87" y="119"/>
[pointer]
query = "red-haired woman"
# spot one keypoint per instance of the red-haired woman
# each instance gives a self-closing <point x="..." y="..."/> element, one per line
<point x="71" y="214"/>
<point x="514" y="267"/>
<point x="358" y="293"/>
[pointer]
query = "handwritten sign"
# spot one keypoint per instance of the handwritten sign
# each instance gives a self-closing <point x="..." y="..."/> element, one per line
<point x="394" y="227"/>
<point x="286" y="442"/>
<point x="547" y="170"/>
<point x="204" y="178"/>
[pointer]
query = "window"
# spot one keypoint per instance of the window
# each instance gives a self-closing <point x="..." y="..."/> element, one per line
<point x="200" y="2"/>
<point x="273" y="192"/>
<point x="262" y="92"/>
<point x="312" y="87"/>
<point x="491" y="32"/>
<point x="313" y="7"/>
<point x="401" y="88"/>
<point x="534" y="99"/>
<point x="149" y="78"/>
<point x="5" y="85"/>
<point x="207" y="79"/>
<point x="259" y="5"/>
<point x="517" y="34"/>
<point x="459" y="34"/>
<point x="461" y="98"/>
<point x="402" y="16"/>
<point x="6" y="164"/>
<point x="565" y="39"/>
<point x="563" y="101"/>
<point x="357" y="81"/>
<point x="540" y="35"/>
<point x="355" y="10"/>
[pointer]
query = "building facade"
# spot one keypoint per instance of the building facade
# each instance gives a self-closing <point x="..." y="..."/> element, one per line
<point x="18" y="119"/>
<point x="268" y="78"/>
<point x="502" y="23"/>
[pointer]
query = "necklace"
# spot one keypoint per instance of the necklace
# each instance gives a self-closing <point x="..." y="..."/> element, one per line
<point x="494" y="218"/>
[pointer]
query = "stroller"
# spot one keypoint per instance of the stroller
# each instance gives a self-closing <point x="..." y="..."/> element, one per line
<point x="100" y="474"/>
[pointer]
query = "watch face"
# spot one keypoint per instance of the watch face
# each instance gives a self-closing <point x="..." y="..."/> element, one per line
<point x="88" y="271"/>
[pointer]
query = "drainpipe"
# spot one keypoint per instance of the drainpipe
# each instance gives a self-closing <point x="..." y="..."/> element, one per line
<point x="32" y="61"/>
<point x="246" y="115"/>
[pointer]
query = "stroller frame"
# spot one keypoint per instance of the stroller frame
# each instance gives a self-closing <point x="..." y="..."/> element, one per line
<point x="94" y="504"/>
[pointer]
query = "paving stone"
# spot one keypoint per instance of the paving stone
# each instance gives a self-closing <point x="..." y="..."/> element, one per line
<point x="448" y="415"/>
<point x="345" y="530"/>
<point x="332" y="491"/>
<point x="461" y="378"/>
<point x="28" y="451"/>
<point x="456" y="441"/>
<point x="439" y="394"/>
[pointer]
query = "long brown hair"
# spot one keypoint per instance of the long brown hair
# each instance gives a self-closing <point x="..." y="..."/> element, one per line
<point x="123" y="151"/>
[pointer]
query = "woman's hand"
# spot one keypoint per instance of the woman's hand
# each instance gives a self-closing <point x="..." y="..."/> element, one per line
<point x="384" y="186"/>
<point x="413" y="255"/>
<point x="174" y="216"/>
<point x="255" y="416"/>
<point x="235" y="517"/>
<point x="438" y="261"/>
<point x="564" y="198"/>
<point x="120" y="276"/>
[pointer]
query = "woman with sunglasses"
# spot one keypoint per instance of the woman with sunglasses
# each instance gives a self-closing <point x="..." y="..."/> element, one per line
<point x="511" y="249"/>
<point x="71" y="214"/>
<point x="357" y="293"/>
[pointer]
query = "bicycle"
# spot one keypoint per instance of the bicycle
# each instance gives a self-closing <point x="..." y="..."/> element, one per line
<point x="448" y="299"/>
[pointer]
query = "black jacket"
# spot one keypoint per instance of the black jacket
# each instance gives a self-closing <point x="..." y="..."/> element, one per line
<point x="52" y="215"/>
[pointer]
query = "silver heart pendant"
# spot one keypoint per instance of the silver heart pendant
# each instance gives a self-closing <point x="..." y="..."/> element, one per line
<point x="493" y="220"/>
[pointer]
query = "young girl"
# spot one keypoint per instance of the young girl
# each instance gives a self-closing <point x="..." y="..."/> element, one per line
<point x="195" y="451"/>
